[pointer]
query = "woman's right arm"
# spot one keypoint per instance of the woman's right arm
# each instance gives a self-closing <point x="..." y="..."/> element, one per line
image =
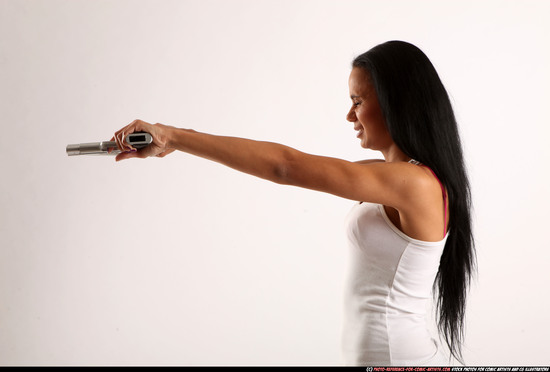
<point x="393" y="184"/>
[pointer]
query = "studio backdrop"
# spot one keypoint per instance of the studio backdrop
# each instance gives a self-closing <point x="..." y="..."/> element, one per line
<point x="181" y="261"/>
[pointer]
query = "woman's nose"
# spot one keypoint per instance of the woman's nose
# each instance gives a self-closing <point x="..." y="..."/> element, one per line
<point x="351" y="115"/>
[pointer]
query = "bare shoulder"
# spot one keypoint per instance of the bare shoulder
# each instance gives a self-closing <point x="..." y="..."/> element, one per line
<point x="401" y="185"/>
<point x="401" y="170"/>
<point x="394" y="184"/>
<point x="420" y="213"/>
<point x="416" y="184"/>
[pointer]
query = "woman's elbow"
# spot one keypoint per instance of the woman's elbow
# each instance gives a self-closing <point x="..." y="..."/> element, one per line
<point x="282" y="173"/>
<point x="283" y="169"/>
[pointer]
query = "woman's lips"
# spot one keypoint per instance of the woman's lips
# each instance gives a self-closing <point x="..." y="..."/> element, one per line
<point x="360" y="133"/>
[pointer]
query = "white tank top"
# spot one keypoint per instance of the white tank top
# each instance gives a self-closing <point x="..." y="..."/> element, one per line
<point x="388" y="292"/>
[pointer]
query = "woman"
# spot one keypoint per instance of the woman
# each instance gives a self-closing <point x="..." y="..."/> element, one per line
<point x="411" y="229"/>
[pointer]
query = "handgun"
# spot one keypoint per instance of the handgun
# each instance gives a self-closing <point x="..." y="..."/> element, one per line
<point x="137" y="139"/>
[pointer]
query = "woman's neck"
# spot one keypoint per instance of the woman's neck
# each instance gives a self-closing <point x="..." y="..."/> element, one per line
<point x="394" y="154"/>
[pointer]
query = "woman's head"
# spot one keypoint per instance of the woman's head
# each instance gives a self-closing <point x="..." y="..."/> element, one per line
<point x="365" y="112"/>
<point x="419" y="118"/>
<point x="413" y="101"/>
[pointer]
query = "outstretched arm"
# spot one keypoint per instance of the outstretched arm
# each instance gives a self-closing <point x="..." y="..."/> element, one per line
<point x="379" y="182"/>
<point x="262" y="159"/>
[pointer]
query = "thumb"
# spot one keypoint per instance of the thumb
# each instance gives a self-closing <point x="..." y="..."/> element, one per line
<point x="126" y="155"/>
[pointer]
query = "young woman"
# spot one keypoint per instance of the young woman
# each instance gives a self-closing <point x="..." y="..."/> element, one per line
<point x="411" y="228"/>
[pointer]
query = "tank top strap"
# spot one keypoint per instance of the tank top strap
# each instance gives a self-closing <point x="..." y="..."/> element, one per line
<point x="443" y="191"/>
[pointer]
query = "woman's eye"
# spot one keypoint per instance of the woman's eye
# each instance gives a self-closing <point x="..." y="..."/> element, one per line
<point x="356" y="103"/>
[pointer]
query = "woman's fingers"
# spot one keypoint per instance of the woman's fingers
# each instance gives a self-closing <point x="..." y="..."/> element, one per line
<point x="156" y="148"/>
<point x="121" y="134"/>
<point x="127" y="151"/>
<point x="120" y="140"/>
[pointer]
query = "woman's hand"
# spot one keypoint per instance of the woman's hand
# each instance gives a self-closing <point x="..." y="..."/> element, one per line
<point x="158" y="147"/>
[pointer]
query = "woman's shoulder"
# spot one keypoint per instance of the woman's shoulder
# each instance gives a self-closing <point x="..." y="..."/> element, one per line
<point x="413" y="172"/>
<point x="418" y="184"/>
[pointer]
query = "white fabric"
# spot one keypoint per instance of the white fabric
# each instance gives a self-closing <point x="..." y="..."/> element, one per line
<point x="387" y="293"/>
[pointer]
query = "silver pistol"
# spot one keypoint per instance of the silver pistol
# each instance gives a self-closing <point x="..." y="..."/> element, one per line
<point x="138" y="140"/>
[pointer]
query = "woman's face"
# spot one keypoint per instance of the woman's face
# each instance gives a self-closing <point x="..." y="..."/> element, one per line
<point x="365" y="112"/>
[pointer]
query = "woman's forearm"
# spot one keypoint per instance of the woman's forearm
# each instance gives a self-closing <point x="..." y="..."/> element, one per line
<point x="266" y="160"/>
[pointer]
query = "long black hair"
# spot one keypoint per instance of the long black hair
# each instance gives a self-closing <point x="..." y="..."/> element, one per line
<point x="421" y="121"/>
